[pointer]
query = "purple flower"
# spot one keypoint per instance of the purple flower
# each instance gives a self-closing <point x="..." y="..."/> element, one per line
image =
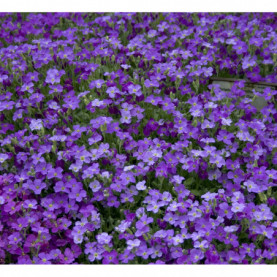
<point x="193" y="214"/>
<point x="231" y="229"/>
<point x="37" y="186"/>
<point x="251" y="186"/>
<point x="30" y="204"/>
<point x="67" y="257"/>
<point x="28" y="87"/>
<point x="104" y="238"/>
<point x="207" y="71"/>
<point x="125" y="66"/>
<point x="248" y="62"/>
<point x="110" y="257"/>
<point x="36" y="124"/>
<point x="53" y="105"/>
<point x="53" y="76"/>
<point x="178" y="239"/>
<point x="95" y="255"/>
<point x="237" y="207"/>
<point x="3" y="157"/>
<point x="96" y="84"/>
<point x="45" y="258"/>
<point x="135" y="89"/>
<point x="143" y="221"/>
<point x="133" y="244"/>
<point x="78" y="239"/>
<point x="55" y="89"/>
<point x="141" y="185"/>
<point x="144" y="252"/>
<point x="3" y="77"/>
<point x="96" y="103"/>
<point x="55" y="173"/>
<point x="196" y="255"/>
<point x="77" y="194"/>
<point x="2" y="200"/>
<point x="15" y="238"/>
<point x="95" y="186"/>
<point x="151" y="83"/>
<point x="123" y="226"/>
<point x="112" y="91"/>
<point x="126" y="256"/>
<point x="201" y="244"/>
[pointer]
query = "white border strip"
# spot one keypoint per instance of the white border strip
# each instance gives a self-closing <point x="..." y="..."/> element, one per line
<point x="139" y="270"/>
<point x="138" y="6"/>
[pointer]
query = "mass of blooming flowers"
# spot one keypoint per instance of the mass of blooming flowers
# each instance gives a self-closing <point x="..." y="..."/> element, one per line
<point x="117" y="148"/>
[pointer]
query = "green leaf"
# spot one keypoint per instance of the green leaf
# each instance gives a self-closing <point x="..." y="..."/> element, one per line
<point x="189" y="181"/>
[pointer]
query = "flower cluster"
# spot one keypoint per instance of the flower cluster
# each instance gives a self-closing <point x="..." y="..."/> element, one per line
<point x="116" y="147"/>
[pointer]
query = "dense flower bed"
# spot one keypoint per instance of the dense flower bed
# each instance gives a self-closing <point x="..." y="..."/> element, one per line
<point x="117" y="148"/>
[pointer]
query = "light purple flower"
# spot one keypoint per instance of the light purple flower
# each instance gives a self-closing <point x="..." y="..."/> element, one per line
<point x="95" y="186"/>
<point x="3" y="157"/>
<point x="141" y="185"/>
<point x="36" y="124"/>
<point x="133" y="244"/>
<point x="104" y="238"/>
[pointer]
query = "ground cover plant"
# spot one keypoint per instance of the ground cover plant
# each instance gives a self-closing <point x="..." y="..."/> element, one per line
<point x="116" y="147"/>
